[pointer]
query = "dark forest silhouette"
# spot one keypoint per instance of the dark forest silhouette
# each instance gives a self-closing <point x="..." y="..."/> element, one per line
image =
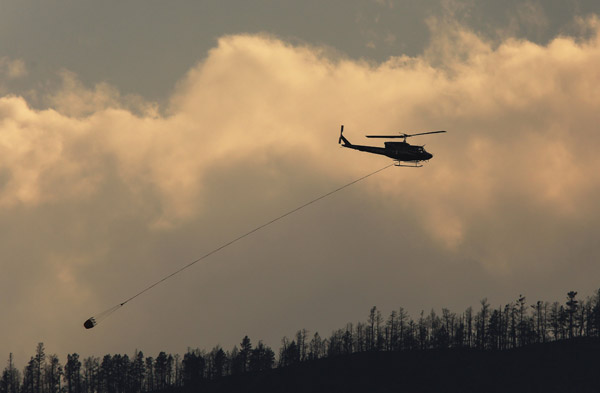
<point x="486" y="330"/>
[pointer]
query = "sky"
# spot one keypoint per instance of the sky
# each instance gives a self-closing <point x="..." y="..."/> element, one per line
<point x="137" y="136"/>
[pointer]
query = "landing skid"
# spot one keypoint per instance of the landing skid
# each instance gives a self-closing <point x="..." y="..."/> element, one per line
<point x="408" y="166"/>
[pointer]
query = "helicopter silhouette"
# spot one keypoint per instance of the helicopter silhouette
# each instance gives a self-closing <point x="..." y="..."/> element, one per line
<point x="398" y="151"/>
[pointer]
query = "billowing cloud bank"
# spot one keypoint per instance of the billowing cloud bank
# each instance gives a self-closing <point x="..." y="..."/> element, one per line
<point x="99" y="190"/>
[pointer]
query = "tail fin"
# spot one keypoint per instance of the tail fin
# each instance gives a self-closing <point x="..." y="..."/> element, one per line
<point x="342" y="139"/>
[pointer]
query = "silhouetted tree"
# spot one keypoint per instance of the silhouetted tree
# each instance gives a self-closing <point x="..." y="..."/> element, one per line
<point x="572" y="306"/>
<point x="379" y="334"/>
<point x="523" y="329"/>
<point x="302" y="344"/>
<point x="121" y="373"/>
<point x="555" y="320"/>
<point x="39" y="365"/>
<point x="160" y="371"/>
<point x="510" y="326"/>
<point x="236" y="366"/>
<point x="289" y="354"/>
<point x="448" y="319"/>
<point x="410" y="340"/>
<point x="53" y="373"/>
<point x="170" y="370"/>
<point x="595" y="315"/>
<point x="540" y="320"/>
<point x="347" y="339"/>
<point x="402" y="317"/>
<point x="316" y="349"/>
<point x="217" y="362"/>
<point x="361" y="337"/>
<point x="245" y="348"/>
<point x="261" y="358"/>
<point x="107" y="382"/>
<point x="150" y="377"/>
<point x="494" y="333"/>
<point x="481" y="324"/>
<point x="91" y="375"/>
<point x="423" y="332"/>
<point x="438" y="335"/>
<point x="73" y="373"/>
<point x="336" y="343"/>
<point x="371" y="333"/>
<point x="391" y="332"/>
<point x="581" y="318"/>
<point x="10" y="381"/>
<point x="29" y="377"/>
<point x="177" y="369"/>
<point x="469" y="327"/>
<point x="193" y="367"/>
<point x="138" y="372"/>
<point x="459" y="333"/>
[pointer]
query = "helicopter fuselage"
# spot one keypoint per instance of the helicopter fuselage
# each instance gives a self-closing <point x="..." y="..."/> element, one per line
<point x="401" y="151"/>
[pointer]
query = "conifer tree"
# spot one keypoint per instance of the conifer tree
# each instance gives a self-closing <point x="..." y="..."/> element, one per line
<point x="73" y="373"/>
<point x="572" y="307"/>
<point x="39" y="365"/>
<point x="10" y="381"/>
<point x="245" y="348"/>
<point x="53" y="373"/>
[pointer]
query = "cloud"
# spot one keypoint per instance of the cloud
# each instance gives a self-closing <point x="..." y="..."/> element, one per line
<point x="73" y="99"/>
<point x="12" y="68"/>
<point x="108" y="188"/>
<point x="519" y="113"/>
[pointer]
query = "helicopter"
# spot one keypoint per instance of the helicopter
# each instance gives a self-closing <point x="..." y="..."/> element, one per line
<point x="399" y="151"/>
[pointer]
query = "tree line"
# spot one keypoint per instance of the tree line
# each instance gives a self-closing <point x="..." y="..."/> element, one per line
<point x="513" y="325"/>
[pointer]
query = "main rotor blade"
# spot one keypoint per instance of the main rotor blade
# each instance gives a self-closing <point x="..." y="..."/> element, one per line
<point x="384" y="136"/>
<point x="425" y="133"/>
<point x="404" y="135"/>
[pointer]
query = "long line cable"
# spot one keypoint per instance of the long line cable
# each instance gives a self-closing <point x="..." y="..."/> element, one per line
<point x="93" y="321"/>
